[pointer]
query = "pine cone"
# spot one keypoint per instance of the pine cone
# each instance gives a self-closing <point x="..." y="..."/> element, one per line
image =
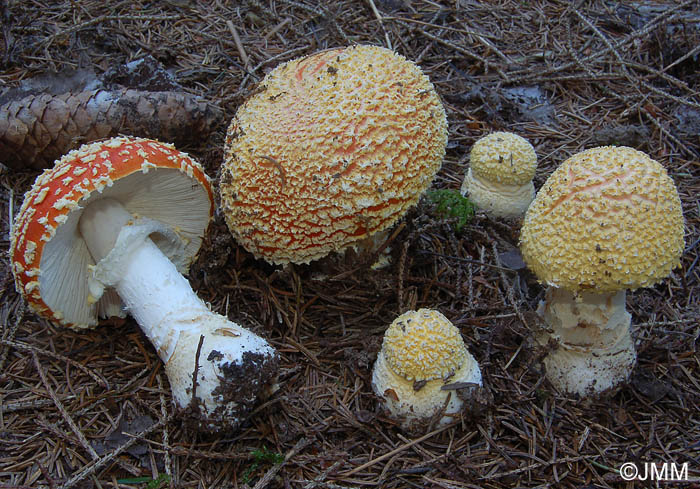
<point x="38" y="129"/>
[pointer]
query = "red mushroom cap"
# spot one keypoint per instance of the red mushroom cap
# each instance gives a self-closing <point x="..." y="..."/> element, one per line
<point x="151" y="179"/>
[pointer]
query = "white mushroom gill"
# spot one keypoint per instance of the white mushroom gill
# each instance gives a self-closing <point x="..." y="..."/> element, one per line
<point x="158" y="194"/>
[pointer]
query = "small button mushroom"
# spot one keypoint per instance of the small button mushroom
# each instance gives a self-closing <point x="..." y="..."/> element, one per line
<point x="608" y="219"/>
<point x="331" y="150"/>
<point x="499" y="180"/>
<point x="424" y="373"/>
<point x="111" y="227"/>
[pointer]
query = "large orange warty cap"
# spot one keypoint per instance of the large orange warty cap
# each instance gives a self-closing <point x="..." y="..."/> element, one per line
<point x="331" y="149"/>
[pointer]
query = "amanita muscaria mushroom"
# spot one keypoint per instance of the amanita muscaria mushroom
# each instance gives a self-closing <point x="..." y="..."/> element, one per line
<point x="607" y="220"/>
<point x="111" y="227"/>
<point x="331" y="149"/>
<point x="499" y="180"/>
<point x="424" y="372"/>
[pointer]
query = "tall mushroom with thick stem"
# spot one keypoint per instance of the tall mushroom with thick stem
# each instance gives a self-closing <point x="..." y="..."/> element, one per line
<point x="111" y="227"/>
<point x="607" y="220"/>
<point x="499" y="180"/>
<point x="329" y="152"/>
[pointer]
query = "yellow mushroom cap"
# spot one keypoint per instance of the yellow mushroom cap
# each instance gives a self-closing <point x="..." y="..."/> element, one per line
<point x="423" y="345"/>
<point x="503" y="157"/>
<point x="331" y="149"/>
<point x="607" y="219"/>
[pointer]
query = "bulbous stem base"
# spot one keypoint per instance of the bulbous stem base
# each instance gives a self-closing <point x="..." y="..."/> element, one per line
<point x="594" y="351"/>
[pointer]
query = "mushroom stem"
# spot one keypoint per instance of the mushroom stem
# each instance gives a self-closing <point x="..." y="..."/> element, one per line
<point x="233" y="365"/>
<point x="595" y="351"/>
<point x="498" y="199"/>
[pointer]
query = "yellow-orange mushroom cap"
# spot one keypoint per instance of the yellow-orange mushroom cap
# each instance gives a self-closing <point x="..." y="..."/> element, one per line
<point x="607" y="219"/>
<point x="503" y="157"/>
<point x="331" y="149"/>
<point x="423" y="345"/>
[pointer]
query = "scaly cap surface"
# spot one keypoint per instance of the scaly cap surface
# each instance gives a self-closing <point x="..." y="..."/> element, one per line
<point x="49" y="257"/>
<point x="333" y="148"/>
<point x="608" y="218"/>
<point x="503" y="157"/>
<point x="423" y="345"/>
